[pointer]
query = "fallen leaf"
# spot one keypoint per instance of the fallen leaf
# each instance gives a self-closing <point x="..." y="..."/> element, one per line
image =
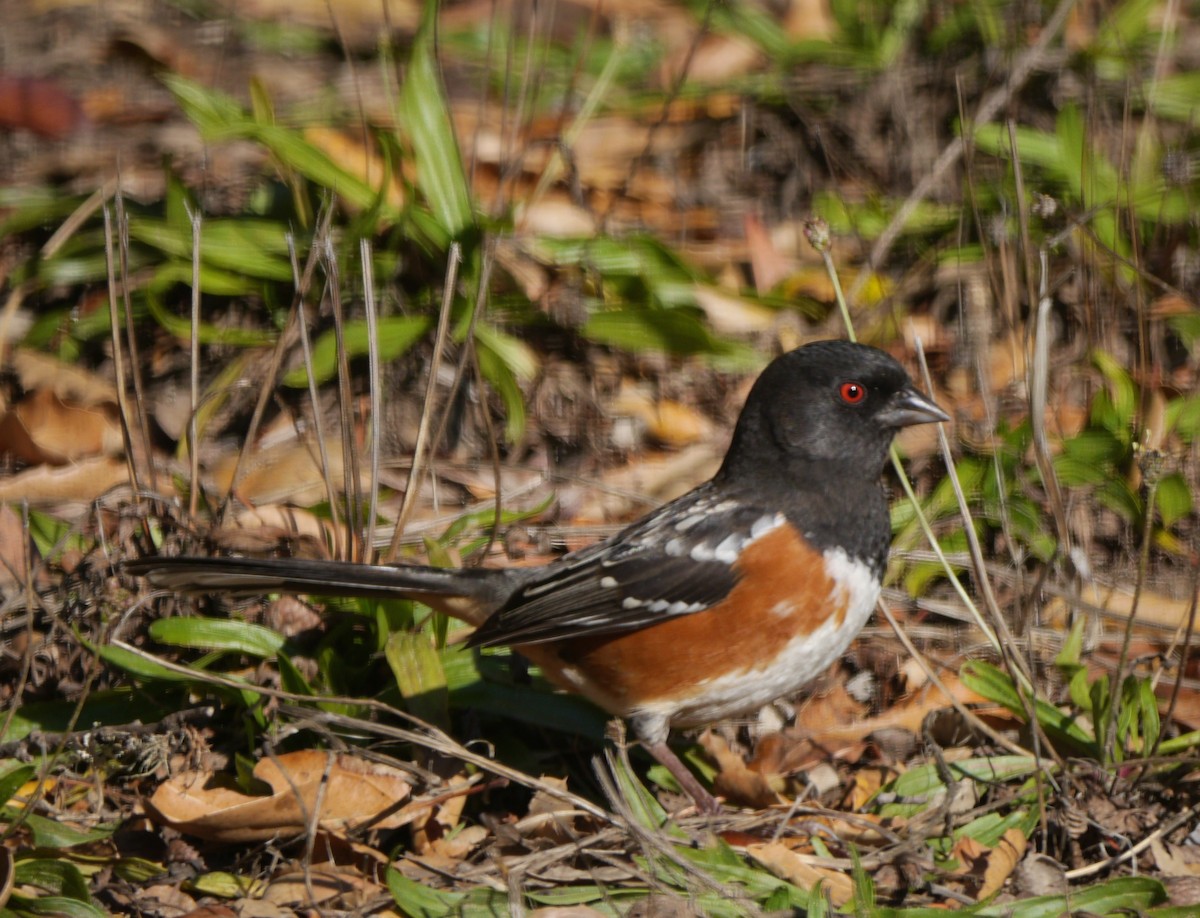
<point x="350" y="791"/>
<point x="81" y="482"/>
<point x="1002" y="861"/>
<point x="42" y="428"/>
<point x="798" y="869"/>
<point x="734" y="779"/>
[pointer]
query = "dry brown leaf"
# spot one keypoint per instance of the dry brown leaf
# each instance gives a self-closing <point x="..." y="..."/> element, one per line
<point x="14" y="548"/>
<point x="549" y="816"/>
<point x="351" y="792"/>
<point x="867" y="782"/>
<point x="270" y="525"/>
<point x="36" y="370"/>
<point x="730" y="314"/>
<point x="669" y="422"/>
<point x="322" y="885"/>
<point x="734" y="779"/>
<point x="1152" y="608"/>
<point x="1002" y="861"/>
<point x="42" y="428"/>
<point x="908" y="714"/>
<point x="717" y="59"/>
<point x="797" y="868"/>
<point x="282" y="472"/>
<point x="82" y="482"/>
<point x="767" y="264"/>
<point x="169" y="899"/>
<point x="1175" y="860"/>
<point x="810" y="19"/>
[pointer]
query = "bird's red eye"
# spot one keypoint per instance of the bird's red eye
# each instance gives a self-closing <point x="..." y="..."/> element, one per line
<point x="852" y="393"/>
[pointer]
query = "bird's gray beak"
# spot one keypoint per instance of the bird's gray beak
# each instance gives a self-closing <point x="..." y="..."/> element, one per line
<point x="908" y="407"/>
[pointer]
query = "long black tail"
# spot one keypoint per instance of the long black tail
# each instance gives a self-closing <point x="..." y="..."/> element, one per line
<point x="470" y="593"/>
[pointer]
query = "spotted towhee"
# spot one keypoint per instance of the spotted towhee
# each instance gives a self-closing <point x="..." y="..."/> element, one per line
<point x="734" y="595"/>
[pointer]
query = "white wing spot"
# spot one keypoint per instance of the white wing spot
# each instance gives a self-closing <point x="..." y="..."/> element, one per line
<point x="631" y="602"/>
<point x="765" y="524"/>
<point x="608" y="582"/>
<point x="702" y="552"/>
<point x="730" y="548"/>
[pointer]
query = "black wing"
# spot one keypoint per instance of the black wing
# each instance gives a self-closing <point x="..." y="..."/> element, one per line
<point x="676" y="561"/>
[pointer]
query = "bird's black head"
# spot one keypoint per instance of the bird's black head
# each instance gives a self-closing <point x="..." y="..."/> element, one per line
<point x="828" y="404"/>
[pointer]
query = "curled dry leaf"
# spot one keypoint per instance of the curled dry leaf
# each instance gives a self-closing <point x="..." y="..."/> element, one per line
<point x="43" y="429"/>
<point x="798" y="868"/>
<point x="350" y="792"/>
<point x="82" y="482"/>
<point x="735" y="780"/>
<point x="70" y="383"/>
<point x="327" y="884"/>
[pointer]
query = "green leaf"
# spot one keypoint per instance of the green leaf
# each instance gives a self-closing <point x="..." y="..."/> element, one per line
<point x="57" y="877"/>
<point x="1173" y="498"/>
<point x="396" y="334"/>
<point x="639" y="329"/>
<point x="1183" y="414"/>
<point x="425" y="120"/>
<point x="1120" y="896"/>
<point x="181" y="328"/>
<point x="53" y="833"/>
<point x="1176" y="97"/>
<point x="56" y="906"/>
<point x="253" y="247"/>
<point x="218" y="634"/>
<point x="13" y="776"/>
<point x="417" y="668"/>
<point x="136" y="664"/>
<point x="1119" y="413"/>
<point x="502" y="378"/>
<point x="996" y="685"/>
<point x="1070" y="657"/>
<point x="421" y="901"/>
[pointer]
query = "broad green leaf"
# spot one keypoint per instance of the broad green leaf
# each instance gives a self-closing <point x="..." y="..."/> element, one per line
<point x="425" y="120"/>
<point x="1173" y="498"/>
<point x="996" y="685"/>
<point x="421" y="901"/>
<point x="14" y="776"/>
<point x="56" y="906"/>
<point x="396" y="334"/>
<point x="136" y="664"/>
<point x="256" y="248"/>
<point x="218" y="634"/>
<point x="502" y="378"/>
<point x="54" y="833"/>
<point x="181" y="328"/>
<point x="1176" y="97"/>
<point x="57" y="877"/>
<point x="417" y="668"/>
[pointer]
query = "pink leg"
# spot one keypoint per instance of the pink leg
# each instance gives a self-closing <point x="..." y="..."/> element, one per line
<point x="705" y="802"/>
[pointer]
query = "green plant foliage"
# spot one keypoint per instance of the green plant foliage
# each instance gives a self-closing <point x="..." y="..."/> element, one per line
<point x="425" y="120"/>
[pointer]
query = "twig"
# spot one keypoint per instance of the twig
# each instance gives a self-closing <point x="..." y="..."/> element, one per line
<point x="416" y="472"/>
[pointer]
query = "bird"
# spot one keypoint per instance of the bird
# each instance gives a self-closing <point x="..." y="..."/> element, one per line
<point x="724" y="600"/>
